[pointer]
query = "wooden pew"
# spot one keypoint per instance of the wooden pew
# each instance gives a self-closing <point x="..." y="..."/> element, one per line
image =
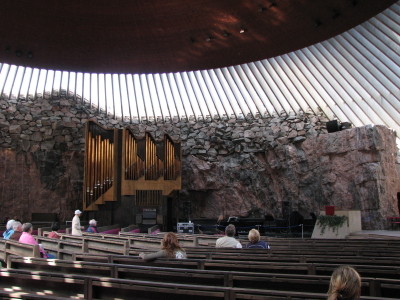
<point x="276" y="281"/>
<point x="17" y="248"/>
<point x="89" y="287"/>
<point x="390" y="272"/>
<point x="97" y="244"/>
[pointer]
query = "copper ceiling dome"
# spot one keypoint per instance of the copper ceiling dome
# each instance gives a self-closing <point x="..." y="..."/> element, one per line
<point x="153" y="36"/>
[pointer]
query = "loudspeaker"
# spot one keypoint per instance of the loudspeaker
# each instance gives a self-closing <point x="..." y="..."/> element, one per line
<point x="332" y="126"/>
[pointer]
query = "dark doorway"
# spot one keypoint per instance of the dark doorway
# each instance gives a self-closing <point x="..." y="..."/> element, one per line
<point x="398" y="202"/>
<point x="169" y="221"/>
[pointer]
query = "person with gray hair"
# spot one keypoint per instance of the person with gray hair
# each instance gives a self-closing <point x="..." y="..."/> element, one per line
<point x="228" y="241"/>
<point x="9" y="229"/>
<point x="17" y="227"/>
<point x="92" y="226"/>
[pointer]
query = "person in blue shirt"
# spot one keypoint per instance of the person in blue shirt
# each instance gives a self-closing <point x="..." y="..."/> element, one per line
<point x="9" y="229"/>
<point x="255" y="243"/>
<point x="92" y="226"/>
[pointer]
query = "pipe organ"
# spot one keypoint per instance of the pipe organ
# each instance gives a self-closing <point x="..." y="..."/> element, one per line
<point x="117" y="163"/>
<point x="99" y="167"/>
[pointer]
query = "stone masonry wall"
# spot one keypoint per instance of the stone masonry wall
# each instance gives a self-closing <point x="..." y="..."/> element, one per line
<point x="230" y="167"/>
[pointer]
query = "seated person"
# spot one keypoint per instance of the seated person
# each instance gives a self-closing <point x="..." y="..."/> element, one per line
<point x="17" y="227"/>
<point x="170" y="248"/>
<point x="255" y="243"/>
<point x="27" y="238"/>
<point x="345" y="284"/>
<point x="9" y="229"/>
<point x="54" y="231"/>
<point x="228" y="241"/>
<point x="92" y="226"/>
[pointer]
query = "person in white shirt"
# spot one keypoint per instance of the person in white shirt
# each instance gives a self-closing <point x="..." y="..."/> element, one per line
<point x="228" y="241"/>
<point x="76" y="223"/>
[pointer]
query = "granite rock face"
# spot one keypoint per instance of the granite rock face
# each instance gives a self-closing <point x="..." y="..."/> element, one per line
<point x="351" y="169"/>
<point x="243" y="167"/>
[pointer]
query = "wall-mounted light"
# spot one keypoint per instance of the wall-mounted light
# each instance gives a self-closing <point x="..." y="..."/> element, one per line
<point x="226" y="33"/>
<point x="209" y="38"/>
<point x="242" y="30"/>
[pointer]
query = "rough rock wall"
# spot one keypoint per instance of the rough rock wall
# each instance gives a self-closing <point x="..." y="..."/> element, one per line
<point x="231" y="167"/>
<point x="351" y="169"/>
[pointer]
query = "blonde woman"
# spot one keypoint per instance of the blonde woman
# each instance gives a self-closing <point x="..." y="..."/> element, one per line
<point x="255" y="243"/>
<point x="345" y="284"/>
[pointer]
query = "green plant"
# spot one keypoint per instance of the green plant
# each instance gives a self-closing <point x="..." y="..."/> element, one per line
<point x="333" y="222"/>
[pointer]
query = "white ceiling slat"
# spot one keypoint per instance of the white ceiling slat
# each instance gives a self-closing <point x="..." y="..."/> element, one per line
<point x="183" y="96"/>
<point x="237" y="93"/>
<point x="360" y="83"/>
<point x="271" y="101"/>
<point x="176" y="96"/>
<point x="220" y="93"/>
<point x="378" y="48"/>
<point x="202" y="102"/>
<point x="376" y="64"/>
<point x="296" y="101"/>
<point x="299" y="93"/>
<point x="341" y="87"/>
<point x="316" y="79"/>
<point x="192" y="97"/>
<point x="229" y="93"/>
<point x="383" y="33"/>
<point x="208" y="84"/>
<point x="168" y="95"/>
<point x="251" y="89"/>
<point x="154" y="97"/>
<point x="244" y="92"/>
<point x="212" y="108"/>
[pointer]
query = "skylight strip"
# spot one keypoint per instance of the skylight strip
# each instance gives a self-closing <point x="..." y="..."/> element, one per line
<point x="213" y="110"/>
<point x="237" y="94"/>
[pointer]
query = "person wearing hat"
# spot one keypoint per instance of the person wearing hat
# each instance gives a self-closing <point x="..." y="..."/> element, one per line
<point x="76" y="223"/>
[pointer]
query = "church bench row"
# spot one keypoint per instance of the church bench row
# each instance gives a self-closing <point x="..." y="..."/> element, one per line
<point x="390" y="272"/>
<point x="12" y="295"/>
<point x="250" y="255"/>
<point x="88" y="287"/>
<point x="363" y="249"/>
<point x="285" y="241"/>
<point x="66" y="249"/>
<point x="8" y="248"/>
<point x="285" y="282"/>
<point x="297" y="245"/>
<point x="206" y="240"/>
<point x="93" y="245"/>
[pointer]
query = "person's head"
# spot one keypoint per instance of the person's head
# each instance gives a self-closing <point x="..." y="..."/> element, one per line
<point x="254" y="236"/>
<point x="10" y="224"/>
<point x="345" y="284"/>
<point x="27" y="227"/>
<point x="78" y="212"/>
<point x="170" y="243"/>
<point x="93" y="222"/>
<point x="55" y="226"/>
<point x="230" y="230"/>
<point x="17" y="226"/>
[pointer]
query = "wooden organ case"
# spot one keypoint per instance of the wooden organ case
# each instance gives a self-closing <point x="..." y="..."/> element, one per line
<point x="120" y="165"/>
